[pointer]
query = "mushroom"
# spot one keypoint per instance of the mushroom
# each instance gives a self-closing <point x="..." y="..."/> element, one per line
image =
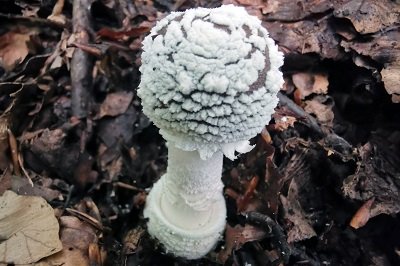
<point x="210" y="79"/>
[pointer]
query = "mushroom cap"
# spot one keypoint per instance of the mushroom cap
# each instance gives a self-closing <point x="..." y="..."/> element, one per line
<point x="210" y="79"/>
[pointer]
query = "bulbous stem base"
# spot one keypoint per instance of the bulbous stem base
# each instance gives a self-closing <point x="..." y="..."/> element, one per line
<point x="186" y="208"/>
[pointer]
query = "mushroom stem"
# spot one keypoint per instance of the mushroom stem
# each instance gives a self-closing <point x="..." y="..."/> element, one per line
<point x="187" y="204"/>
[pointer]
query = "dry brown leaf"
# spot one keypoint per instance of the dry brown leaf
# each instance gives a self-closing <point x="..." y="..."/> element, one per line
<point x="391" y="78"/>
<point x="301" y="228"/>
<point x="322" y="111"/>
<point x="76" y="237"/>
<point x="42" y="187"/>
<point x="283" y="122"/>
<point x="131" y="240"/>
<point x="362" y="215"/>
<point x="253" y="7"/>
<point x="13" y="49"/>
<point x="306" y="36"/>
<point x="308" y="83"/>
<point x="4" y="143"/>
<point x="56" y="14"/>
<point x="383" y="48"/>
<point x="28" y="227"/>
<point x="115" y="103"/>
<point x="289" y="10"/>
<point x="369" y="16"/>
<point x="5" y="181"/>
<point x="237" y="236"/>
<point x="375" y="177"/>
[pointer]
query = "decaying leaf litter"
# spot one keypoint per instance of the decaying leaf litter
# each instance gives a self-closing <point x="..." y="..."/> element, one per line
<point x="321" y="185"/>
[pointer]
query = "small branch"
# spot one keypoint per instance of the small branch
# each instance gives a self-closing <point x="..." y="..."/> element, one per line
<point x="82" y="62"/>
<point x="23" y="170"/>
<point x="310" y="121"/>
<point x="14" y="152"/>
<point x="274" y="230"/>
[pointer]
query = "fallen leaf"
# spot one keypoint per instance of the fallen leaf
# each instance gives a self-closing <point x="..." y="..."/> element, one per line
<point x="282" y="121"/>
<point x="376" y="177"/>
<point x="131" y="240"/>
<point x="76" y="237"/>
<point x="112" y="130"/>
<point x="288" y="10"/>
<point x="115" y="103"/>
<point x="369" y="16"/>
<point x="4" y="143"/>
<point x="236" y="237"/>
<point x="243" y="201"/>
<point x="306" y="36"/>
<point x="56" y="14"/>
<point x="121" y="35"/>
<point x="383" y="48"/>
<point x="13" y="49"/>
<point x="300" y="228"/>
<point x="271" y="187"/>
<point x="41" y="187"/>
<point x="362" y="215"/>
<point x="390" y="77"/>
<point x="28" y="228"/>
<point x="5" y="181"/>
<point x="253" y="7"/>
<point x="322" y="111"/>
<point x="52" y="151"/>
<point x="308" y="83"/>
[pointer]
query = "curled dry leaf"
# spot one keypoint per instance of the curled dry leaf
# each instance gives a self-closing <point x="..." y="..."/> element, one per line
<point x="56" y="14"/>
<point x="283" y="122"/>
<point x="362" y="215"/>
<point x="254" y="7"/>
<point x="28" y="227"/>
<point x="4" y="143"/>
<point x="288" y="10"/>
<point x="390" y="76"/>
<point x="376" y="177"/>
<point x="5" y="181"/>
<point x="115" y="103"/>
<point x="242" y="202"/>
<point x="322" y="111"/>
<point x="132" y="239"/>
<point x="237" y="236"/>
<point x="76" y="237"/>
<point x="383" y="48"/>
<point x="13" y="49"/>
<point x="122" y="35"/>
<point x="308" y="83"/>
<point x="306" y="37"/>
<point x="42" y="187"/>
<point x="300" y="228"/>
<point x="369" y="16"/>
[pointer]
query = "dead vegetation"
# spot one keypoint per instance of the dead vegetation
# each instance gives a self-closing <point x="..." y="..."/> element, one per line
<point x="320" y="188"/>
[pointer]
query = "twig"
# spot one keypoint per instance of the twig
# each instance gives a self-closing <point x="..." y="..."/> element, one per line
<point x="274" y="230"/>
<point x="302" y="258"/>
<point x="14" y="152"/>
<point x="23" y="169"/>
<point x="87" y="218"/>
<point x="127" y="186"/>
<point x="82" y="62"/>
<point x="310" y="121"/>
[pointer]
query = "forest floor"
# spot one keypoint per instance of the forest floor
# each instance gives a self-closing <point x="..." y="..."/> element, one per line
<point x="322" y="186"/>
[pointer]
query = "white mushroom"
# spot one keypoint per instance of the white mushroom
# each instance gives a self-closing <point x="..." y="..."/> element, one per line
<point x="209" y="82"/>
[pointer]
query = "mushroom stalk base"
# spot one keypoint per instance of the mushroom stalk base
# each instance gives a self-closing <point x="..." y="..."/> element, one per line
<point x="186" y="208"/>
